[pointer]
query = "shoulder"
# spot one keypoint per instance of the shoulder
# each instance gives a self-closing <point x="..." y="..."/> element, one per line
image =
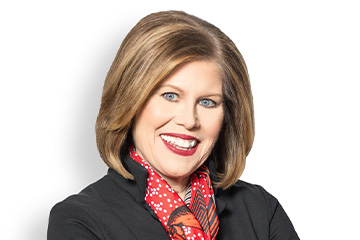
<point x="76" y="216"/>
<point x="255" y="210"/>
<point x="111" y="208"/>
<point x="250" y="196"/>
<point x="90" y="196"/>
<point x="247" y="191"/>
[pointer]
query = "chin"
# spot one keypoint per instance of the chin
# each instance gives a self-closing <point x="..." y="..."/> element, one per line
<point x="177" y="172"/>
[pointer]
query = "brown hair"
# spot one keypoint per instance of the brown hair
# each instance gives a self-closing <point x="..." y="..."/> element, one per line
<point x="152" y="50"/>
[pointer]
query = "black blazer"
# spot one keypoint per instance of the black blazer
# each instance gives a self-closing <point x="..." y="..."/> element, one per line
<point x="114" y="208"/>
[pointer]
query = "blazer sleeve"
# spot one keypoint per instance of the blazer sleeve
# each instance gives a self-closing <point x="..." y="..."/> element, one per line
<point x="68" y="221"/>
<point x="280" y="225"/>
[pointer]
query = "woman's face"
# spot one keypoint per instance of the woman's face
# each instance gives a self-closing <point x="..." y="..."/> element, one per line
<point x="179" y="125"/>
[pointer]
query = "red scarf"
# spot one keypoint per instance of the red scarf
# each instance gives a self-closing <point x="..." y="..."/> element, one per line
<point x="199" y="221"/>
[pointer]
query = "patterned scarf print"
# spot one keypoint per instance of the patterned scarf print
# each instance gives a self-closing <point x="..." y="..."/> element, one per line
<point x="197" y="221"/>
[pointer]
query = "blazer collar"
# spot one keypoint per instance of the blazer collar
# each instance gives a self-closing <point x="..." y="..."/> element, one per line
<point x="220" y="204"/>
<point x="137" y="188"/>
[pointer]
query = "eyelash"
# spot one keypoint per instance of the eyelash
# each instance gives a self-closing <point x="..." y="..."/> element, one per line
<point x="212" y="103"/>
<point x="166" y="96"/>
<point x="170" y="96"/>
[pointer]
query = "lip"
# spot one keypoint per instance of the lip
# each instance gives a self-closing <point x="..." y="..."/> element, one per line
<point x="183" y="136"/>
<point x="180" y="151"/>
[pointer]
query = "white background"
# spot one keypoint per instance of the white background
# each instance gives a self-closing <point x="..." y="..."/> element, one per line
<point x="303" y="59"/>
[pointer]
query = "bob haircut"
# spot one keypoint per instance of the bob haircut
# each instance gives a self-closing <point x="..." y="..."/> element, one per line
<point x="154" y="48"/>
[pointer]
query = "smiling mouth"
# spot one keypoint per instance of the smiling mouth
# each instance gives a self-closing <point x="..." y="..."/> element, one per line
<point x="179" y="143"/>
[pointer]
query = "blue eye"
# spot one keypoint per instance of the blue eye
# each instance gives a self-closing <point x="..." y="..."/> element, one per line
<point x="170" y="96"/>
<point x="208" y="103"/>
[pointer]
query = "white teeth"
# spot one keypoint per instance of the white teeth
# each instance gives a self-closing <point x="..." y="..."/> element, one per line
<point x="179" y="143"/>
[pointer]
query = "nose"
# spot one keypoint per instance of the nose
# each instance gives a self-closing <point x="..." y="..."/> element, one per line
<point x="187" y="117"/>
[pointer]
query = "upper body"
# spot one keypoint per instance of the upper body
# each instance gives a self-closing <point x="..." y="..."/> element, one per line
<point x="178" y="97"/>
<point x="114" y="208"/>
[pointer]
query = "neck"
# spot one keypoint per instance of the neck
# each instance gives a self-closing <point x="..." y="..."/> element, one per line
<point x="181" y="188"/>
<point x="178" y="184"/>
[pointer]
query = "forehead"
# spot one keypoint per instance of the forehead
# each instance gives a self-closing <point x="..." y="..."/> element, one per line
<point x="196" y="75"/>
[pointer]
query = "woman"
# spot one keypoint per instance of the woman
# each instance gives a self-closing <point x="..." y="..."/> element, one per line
<point x="175" y="126"/>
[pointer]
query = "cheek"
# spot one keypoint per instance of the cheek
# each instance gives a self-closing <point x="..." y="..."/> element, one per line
<point x="158" y="113"/>
<point x="152" y="116"/>
<point x="212" y="123"/>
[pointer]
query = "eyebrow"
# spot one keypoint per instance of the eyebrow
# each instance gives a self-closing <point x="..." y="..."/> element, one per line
<point x="172" y="86"/>
<point x="182" y="91"/>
